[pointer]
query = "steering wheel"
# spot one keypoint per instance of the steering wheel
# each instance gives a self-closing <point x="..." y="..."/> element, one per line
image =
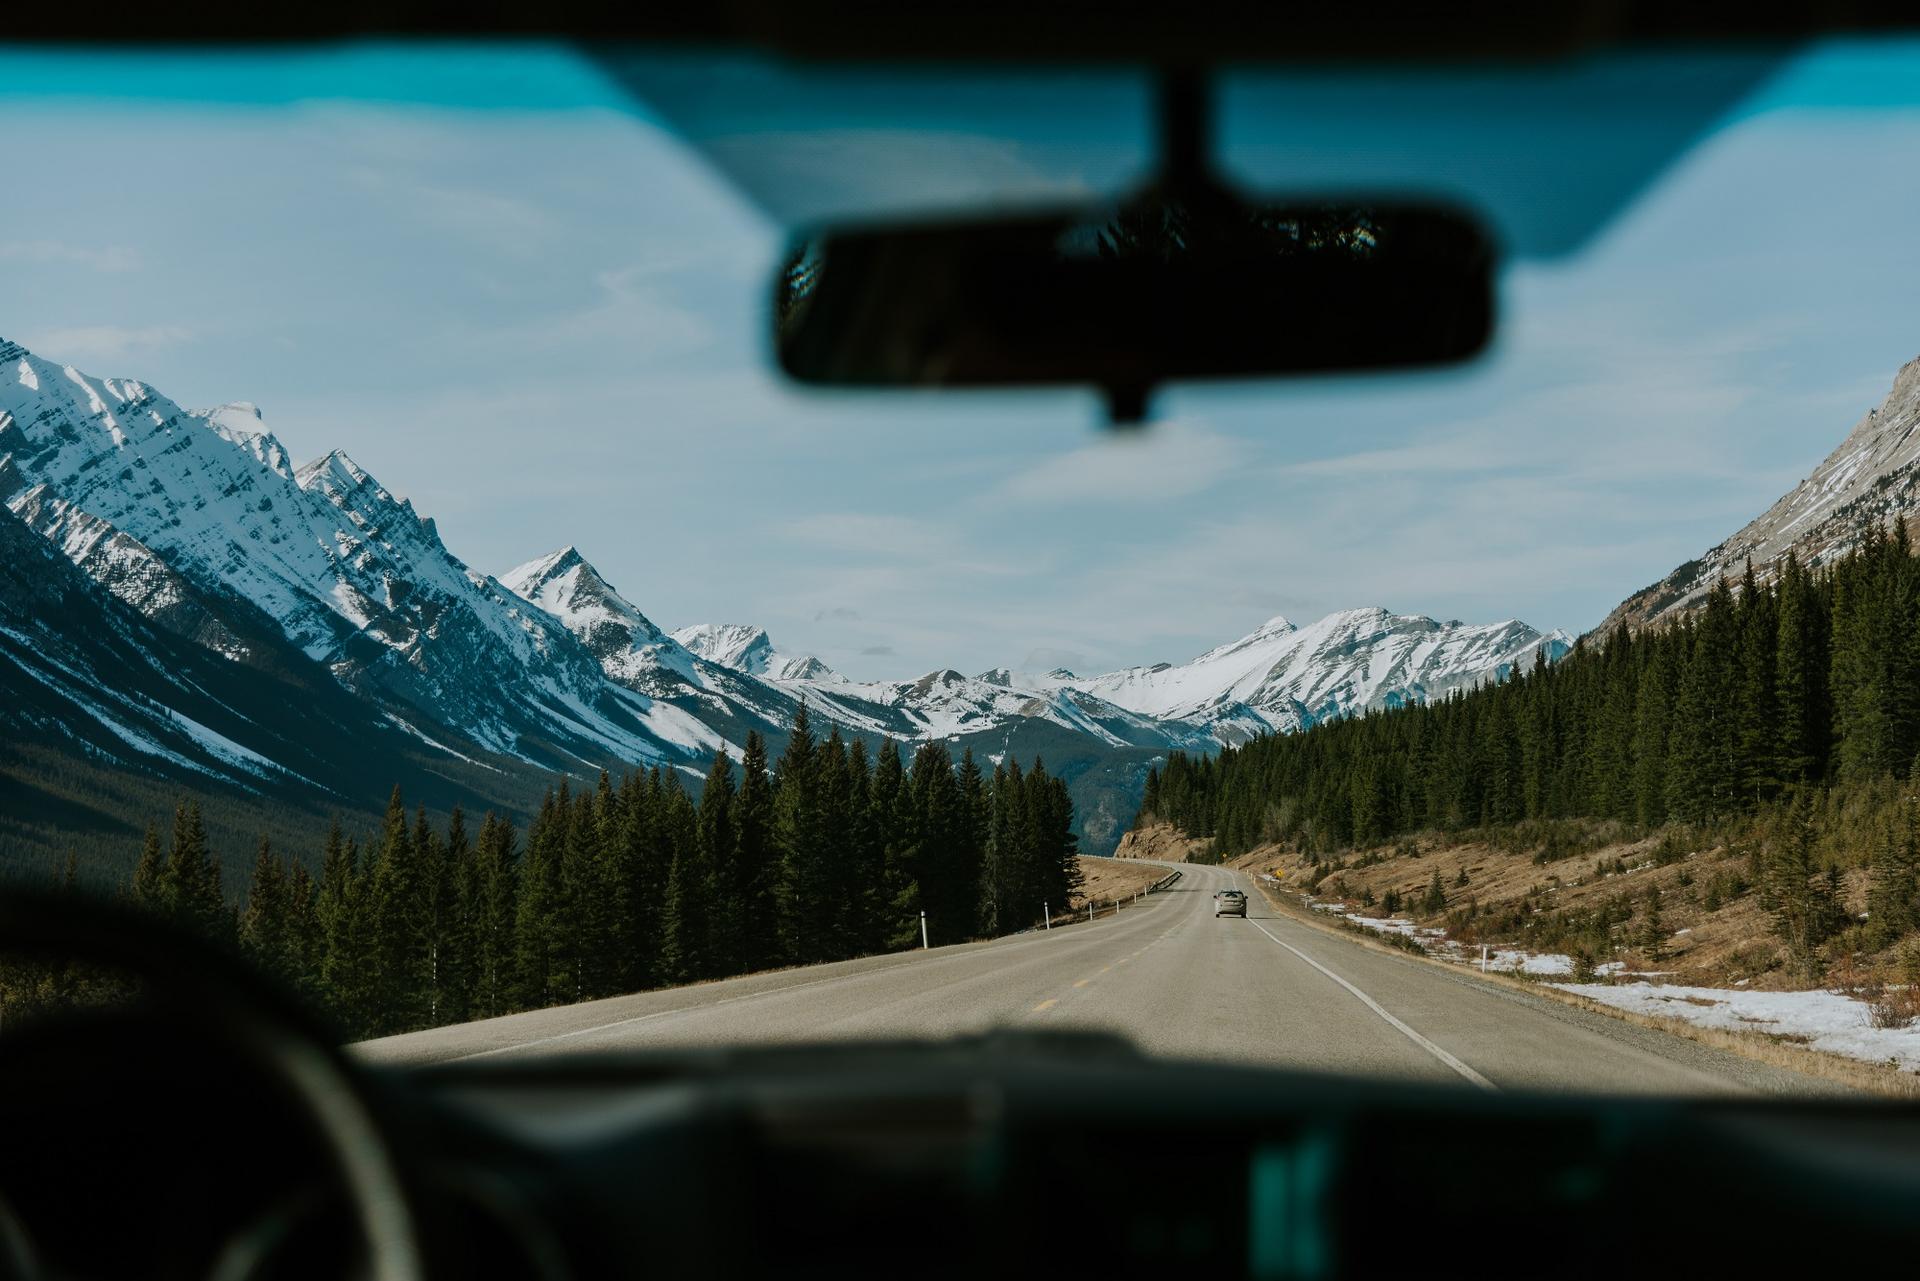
<point x="196" y="990"/>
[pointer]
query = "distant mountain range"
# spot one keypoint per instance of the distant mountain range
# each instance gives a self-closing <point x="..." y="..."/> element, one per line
<point x="1874" y="475"/>
<point x="181" y="600"/>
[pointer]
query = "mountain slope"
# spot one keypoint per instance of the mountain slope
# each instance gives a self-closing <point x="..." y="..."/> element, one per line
<point x="1874" y="475"/>
<point x="167" y="507"/>
<point x="105" y="717"/>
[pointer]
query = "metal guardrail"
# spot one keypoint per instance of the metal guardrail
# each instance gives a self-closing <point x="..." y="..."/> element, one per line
<point x="1165" y="882"/>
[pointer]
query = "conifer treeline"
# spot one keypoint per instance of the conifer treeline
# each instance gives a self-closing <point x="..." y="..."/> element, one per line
<point x="1807" y="681"/>
<point x="831" y="853"/>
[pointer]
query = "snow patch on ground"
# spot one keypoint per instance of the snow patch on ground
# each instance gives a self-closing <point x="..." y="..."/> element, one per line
<point x="1829" y="1021"/>
<point x="1506" y="960"/>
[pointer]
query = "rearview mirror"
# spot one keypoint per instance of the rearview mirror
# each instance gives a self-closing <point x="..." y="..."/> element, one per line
<point x="1201" y="286"/>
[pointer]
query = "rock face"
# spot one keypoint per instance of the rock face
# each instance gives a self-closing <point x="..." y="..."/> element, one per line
<point x="1161" y="841"/>
<point x="1874" y="475"/>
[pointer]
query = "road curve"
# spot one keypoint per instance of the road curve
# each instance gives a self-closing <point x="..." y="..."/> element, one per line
<point x="1268" y="991"/>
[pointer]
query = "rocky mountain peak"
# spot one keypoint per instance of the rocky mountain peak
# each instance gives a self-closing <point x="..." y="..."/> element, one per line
<point x="1873" y="475"/>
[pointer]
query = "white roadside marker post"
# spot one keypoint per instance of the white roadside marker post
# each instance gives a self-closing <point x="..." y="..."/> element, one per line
<point x="924" y="945"/>
<point x="1483" y="958"/>
<point x="1046" y="916"/>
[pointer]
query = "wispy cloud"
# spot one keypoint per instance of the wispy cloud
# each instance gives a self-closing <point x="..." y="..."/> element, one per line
<point x="1172" y="460"/>
<point x="882" y="536"/>
<point x="112" y="258"/>
<point x="81" y="343"/>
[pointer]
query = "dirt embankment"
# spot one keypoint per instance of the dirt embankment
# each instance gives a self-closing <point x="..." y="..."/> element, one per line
<point x="1106" y="879"/>
<point x="1157" y="840"/>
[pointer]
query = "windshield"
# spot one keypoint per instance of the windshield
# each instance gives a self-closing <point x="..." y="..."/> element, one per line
<point x="418" y="576"/>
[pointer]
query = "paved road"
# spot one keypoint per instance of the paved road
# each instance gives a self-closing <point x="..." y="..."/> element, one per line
<point x="1268" y="990"/>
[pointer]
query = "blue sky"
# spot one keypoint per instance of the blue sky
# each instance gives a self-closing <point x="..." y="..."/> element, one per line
<point x="537" y="310"/>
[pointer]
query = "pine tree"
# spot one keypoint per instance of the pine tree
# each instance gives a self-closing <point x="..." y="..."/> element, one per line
<point x="1652" y="936"/>
<point x="192" y="879"/>
<point x="496" y="882"/>
<point x="543" y="976"/>
<point x="751" y="894"/>
<point x="591" y="903"/>
<point x="305" y="947"/>
<point x="687" y="904"/>
<point x="149" y="888"/>
<point x="1000" y="889"/>
<point x="346" y="969"/>
<point x="1436" y="900"/>
<point x="647" y="861"/>
<point x="1650" y="721"/>
<point x="1702" y="753"/>
<point x="396" y="908"/>
<point x="1800" y="915"/>
<point x="264" y="924"/>
<point x="719" y="866"/>
<point x="1756" y="728"/>
<point x="941" y="862"/>
<point x="1799" y="679"/>
<point x="454" y="896"/>
<point x="806" y="910"/>
<point x="863" y="859"/>
<point x="897" y="904"/>
<point x="836" y="821"/>
<point x="1893" y="889"/>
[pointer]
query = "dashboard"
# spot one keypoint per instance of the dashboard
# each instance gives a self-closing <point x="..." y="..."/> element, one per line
<point x="130" y="1154"/>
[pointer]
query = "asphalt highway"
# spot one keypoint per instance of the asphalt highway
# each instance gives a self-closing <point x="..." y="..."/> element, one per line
<point x="1269" y="990"/>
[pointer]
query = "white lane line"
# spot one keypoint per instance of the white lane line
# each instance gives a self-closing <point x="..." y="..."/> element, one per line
<point x="657" y="1014"/>
<point x="1381" y="1010"/>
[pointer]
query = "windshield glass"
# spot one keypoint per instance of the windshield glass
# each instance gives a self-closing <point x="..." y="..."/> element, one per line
<point x="417" y="575"/>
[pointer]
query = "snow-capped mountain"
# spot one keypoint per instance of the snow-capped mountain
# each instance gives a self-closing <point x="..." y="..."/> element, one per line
<point x="1284" y="678"/>
<point x="739" y="673"/>
<point x="749" y="649"/>
<point x="1280" y="678"/>
<point x="170" y="508"/>
<point x="1874" y="475"/>
<point x="621" y="639"/>
<point x="329" y="635"/>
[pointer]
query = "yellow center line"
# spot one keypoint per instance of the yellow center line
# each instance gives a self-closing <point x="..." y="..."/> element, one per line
<point x="1046" y="1004"/>
<point x="1083" y="982"/>
<point x="1123" y="960"/>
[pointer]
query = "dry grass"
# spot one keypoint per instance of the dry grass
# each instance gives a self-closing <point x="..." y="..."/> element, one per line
<point x="1105" y="879"/>
<point x="1894" y="1008"/>
<point x="1717" y="936"/>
